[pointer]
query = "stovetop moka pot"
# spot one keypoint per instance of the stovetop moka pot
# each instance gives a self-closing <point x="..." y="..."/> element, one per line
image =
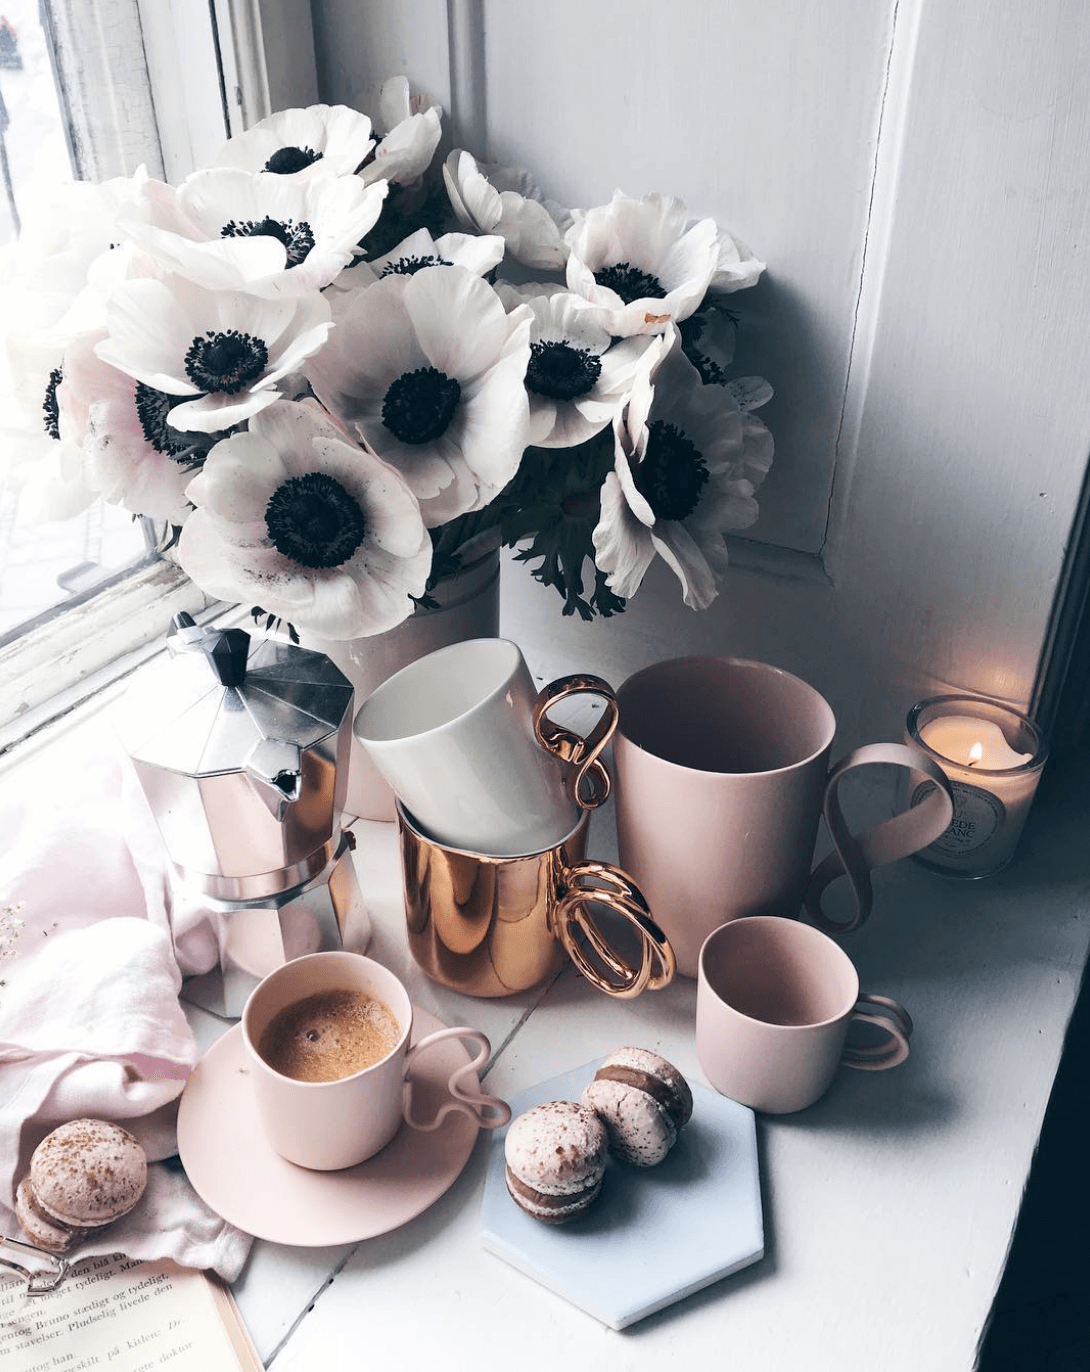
<point x="242" y="752"/>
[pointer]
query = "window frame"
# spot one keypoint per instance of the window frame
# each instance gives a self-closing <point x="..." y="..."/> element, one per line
<point x="117" y="64"/>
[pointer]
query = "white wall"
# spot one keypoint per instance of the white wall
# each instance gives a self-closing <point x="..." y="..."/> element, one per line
<point x="914" y="174"/>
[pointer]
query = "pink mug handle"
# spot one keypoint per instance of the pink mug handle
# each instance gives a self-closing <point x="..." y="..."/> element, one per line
<point x="895" y="1020"/>
<point x="473" y="1103"/>
<point x="856" y="855"/>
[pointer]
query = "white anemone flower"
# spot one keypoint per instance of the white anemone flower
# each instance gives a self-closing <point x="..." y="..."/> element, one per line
<point x="641" y="263"/>
<point x="56" y="277"/>
<point x="43" y="420"/>
<point x="478" y="253"/>
<point x="682" y="478"/>
<point x="270" y="235"/>
<point x="132" y="455"/>
<point x="293" y="517"/>
<point x="506" y="201"/>
<point x="429" y="369"/>
<point x="221" y="353"/>
<point x="411" y="127"/>
<point x="577" y="377"/>
<point x="316" y="141"/>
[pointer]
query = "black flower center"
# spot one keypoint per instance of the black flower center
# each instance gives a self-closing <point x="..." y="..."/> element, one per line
<point x="298" y="239"/>
<point x="672" y="474"/>
<point x="630" y="283"/>
<point x="225" y="362"/>
<point x="313" y="520"/>
<point x="420" y="405"/>
<point x="561" y="371"/>
<point x="50" y="408"/>
<point x="284" y="161"/>
<point x="409" y="266"/>
<point x="152" y="409"/>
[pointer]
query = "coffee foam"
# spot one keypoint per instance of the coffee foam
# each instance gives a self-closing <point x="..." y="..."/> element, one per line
<point x="329" y="1035"/>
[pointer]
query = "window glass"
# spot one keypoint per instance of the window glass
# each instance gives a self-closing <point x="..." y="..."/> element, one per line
<point x="41" y="565"/>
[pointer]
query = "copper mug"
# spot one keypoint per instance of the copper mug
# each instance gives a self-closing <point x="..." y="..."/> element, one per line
<point x="491" y="926"/>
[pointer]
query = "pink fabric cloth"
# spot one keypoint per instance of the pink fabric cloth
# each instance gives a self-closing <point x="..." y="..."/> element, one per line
<point x="90" y="970"/>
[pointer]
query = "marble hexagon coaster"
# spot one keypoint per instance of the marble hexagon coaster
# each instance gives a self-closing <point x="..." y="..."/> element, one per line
<point x="655" y="1234"/>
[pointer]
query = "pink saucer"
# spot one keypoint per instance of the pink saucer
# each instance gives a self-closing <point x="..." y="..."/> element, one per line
<point x="234" y="1170"/>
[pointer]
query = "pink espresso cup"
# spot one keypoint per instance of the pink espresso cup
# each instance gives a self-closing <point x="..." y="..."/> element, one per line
<point x="775" y="1000"/>
<point x="328" y="1125"/>
<point x="722" y="774"/>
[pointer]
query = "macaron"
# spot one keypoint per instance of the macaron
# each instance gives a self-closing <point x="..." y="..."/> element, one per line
<point x="83" y="1175"/>
<point x="643" y="1101"/>
<point x="556" y="1159"/>
<point x="37" y="1226"/>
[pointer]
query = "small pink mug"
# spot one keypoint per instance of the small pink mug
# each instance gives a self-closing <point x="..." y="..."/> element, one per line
<point x="722" y="774"/>
<point x="775" y="1000"/>
<point x="327" y="1125"/>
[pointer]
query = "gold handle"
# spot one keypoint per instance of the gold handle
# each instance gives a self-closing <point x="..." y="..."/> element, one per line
<point x="598" y="883"/>
<point x="592" y="782"/>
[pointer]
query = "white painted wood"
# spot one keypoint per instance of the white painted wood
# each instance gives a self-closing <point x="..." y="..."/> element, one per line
<point x="106" y="93"/>
<point x="287" y="38"/>
<point x="266" y="50"/>
<point x="69" y="657"/>
<point x="889" y="1206"/>
<point x="358" y="46"/>
<point x="179" y="44"/>
<point x="975" y="419"/>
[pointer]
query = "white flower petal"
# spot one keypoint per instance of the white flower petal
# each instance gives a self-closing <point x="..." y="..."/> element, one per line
<point x="736" y="267"/>
<point x="623" y="547"/>
<point x="208" y="414"/>
<point x="676" y="547"/>
<point x="227" y="545"/>
<point x="405" y="153"/>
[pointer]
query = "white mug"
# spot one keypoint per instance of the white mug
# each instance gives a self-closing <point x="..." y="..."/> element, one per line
<point x="328" y="1125"/>
<point x="464" y="740"/>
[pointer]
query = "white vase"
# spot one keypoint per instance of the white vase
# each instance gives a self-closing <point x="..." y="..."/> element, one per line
<point x="468" y="607"/>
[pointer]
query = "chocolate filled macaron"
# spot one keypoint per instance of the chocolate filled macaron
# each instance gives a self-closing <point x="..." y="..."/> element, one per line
<point x="83" y="1176"/>
<point x="556" y="1159"/>
<point x="643" y="1101"/>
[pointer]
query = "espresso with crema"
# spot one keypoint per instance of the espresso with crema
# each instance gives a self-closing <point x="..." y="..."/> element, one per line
<point x="329" y="1035"/>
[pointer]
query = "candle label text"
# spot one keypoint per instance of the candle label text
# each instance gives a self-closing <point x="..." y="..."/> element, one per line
<point x="977" y="816"/>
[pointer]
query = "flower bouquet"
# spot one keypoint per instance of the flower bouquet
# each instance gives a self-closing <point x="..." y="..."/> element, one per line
<point x="332" y="372"/>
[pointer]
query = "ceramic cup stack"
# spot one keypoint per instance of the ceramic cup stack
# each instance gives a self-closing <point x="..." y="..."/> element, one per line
<point x="493" y="799"/>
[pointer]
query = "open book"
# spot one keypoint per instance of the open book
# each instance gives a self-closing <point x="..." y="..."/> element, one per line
<point x="127" y="1316"/>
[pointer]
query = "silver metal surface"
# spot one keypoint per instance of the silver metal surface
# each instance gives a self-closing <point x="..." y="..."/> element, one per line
<point x="247" y="781"/>
<point x="324" y="914"/>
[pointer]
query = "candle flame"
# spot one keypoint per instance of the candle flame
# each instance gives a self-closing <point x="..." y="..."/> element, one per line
<point x="976" y="752"/>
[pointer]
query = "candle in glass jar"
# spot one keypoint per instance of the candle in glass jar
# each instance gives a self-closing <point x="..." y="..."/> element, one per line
<point x="972" y="743"/>
<point x="993" y="758"/>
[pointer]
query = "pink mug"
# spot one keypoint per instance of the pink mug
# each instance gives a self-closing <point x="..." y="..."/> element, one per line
<point x="775" y="1000"/>
<point x="327" y="1125"/>
<point x="721" y="776"/>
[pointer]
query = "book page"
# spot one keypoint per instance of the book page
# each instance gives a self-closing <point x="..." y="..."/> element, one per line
<point x="128" y="1316"/>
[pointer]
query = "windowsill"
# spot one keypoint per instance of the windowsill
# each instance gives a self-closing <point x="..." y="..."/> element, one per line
<point x="926" y="1164"/>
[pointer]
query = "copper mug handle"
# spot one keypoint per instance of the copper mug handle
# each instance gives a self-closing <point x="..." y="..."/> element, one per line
<point x="592" y="783"/>
<point x="597" y="883"/>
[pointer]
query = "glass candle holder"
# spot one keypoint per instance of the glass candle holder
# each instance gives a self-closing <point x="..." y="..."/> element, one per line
<point x="993" y="757"/>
